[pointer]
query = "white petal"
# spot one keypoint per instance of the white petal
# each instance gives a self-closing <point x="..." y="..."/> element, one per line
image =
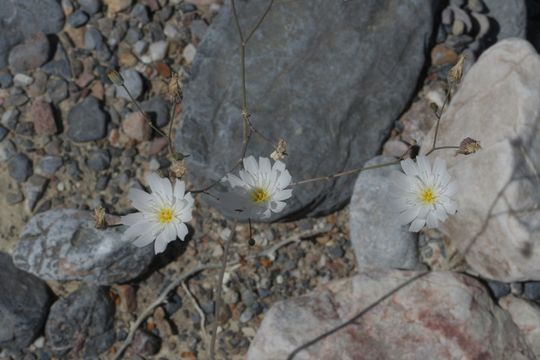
<point x="131" y="219"/>
<point x="167" y="235"/>
<point x="141" y="200"/>
<point x="409" y="167"/>
<point x="402" y="181"/>
<point x="451" y="189"/>
<point x="450" y="206"/>
<point x="440" y="212"/>
<point x="439" y="167"/>
<point x="431" y="220"/>
<point x="146" y="237"/>
<point x="160" y="186"/>
<point x="278" y="166"/>
<point x="282" y="195"/>
<point x="264" y="166"/>
<point x="181" y="230"/>
<point x="423" y="165"/>
<point x="179" y="189"/>
<point x="284" y="179"/>
<point x="251" y="166"/>
<point x="248" y="179"/>
<point x="407" y="216"/>
<point x="235" y="181"/>
<point x="417" y="225"/>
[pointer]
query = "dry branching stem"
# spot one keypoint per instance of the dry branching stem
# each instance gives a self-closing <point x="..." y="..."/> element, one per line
<point x="199" y="310"/>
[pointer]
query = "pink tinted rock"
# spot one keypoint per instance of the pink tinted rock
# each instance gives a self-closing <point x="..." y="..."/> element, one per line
<point x="526" y="315"/>
<point x="405" y="315"/>
<point x="136" y="127"/>
<point x="157" y="145"/>
<point x="42" y="116"/>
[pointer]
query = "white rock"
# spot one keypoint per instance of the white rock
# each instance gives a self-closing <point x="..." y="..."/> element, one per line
<point x="526" y="315"/>
<point x="189" y="53"/>
<point x="158" y="50"/>
<point x="22" y="80"/>
<point x="397" y="315"/>
<point x="497" y="226"/>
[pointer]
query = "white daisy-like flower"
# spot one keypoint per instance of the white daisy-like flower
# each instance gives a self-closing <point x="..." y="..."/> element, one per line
<point x="424" y="193"/>
<point x="162" y="214"/>
<point x="261" y="188"/>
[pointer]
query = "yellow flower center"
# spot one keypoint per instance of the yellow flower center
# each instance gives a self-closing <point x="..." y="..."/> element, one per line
<point x="165" y="215"/>
<point x="427" y="196"/>
<point x="259" y="195"/>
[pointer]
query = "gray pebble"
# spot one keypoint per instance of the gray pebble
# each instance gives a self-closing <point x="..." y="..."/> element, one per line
<point x="133" y="81"/>
<point x="335" y="252"/>
<point x="7" y="150"/>
<point x="86" y="121"/>
<point x="140" y="12"/>
<point x="57" y="90"/>
<point x="10" y="118"/>
<point x="90" y="6"/>
<point x="20" y="167"/>
<point x="49" y="164"/>
<point x="93" y="40"/>
<point x="78" y="18"/>
<point x="73" y="170"/>
<point x="35" y="190"/>
<point x="133" y="35"/>
<point x="532" y="290"/>
<point x="3" y="132"/>
<point x="249" y="297"/>
<point x="498" y="289"/>
<point x="158" y="110"/>
<point x="6" y="80"/>
<point x="102" y="182"/>
<point x="99" y="160"/>
<point x="14" y="197"/>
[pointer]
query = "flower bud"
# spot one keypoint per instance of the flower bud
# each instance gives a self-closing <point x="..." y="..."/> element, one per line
<point x="280" y="151"/>
<point x="468" y="146"/>
<point x="115" y="77"/>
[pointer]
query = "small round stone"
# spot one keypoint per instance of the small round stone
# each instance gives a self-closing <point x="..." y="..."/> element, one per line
<point x="20" y="167"/>
<point x="99" y="160"/>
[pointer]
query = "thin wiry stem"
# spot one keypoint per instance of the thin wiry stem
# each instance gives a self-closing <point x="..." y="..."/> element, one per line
<point x="441" y="148"/>
<point x="438" y="114"/>
<point x="218" y="292"/>
<point x="344" y="173"/>
<point x="199" y="310"/>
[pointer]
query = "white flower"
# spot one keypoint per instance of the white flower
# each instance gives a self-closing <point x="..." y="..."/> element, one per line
<point x="261" y="188"/>
<point x="424" y="193"/>
<point x="162" y="216"/>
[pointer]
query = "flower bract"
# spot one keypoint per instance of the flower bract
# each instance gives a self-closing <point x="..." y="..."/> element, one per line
<point x="423" y="195"/>
<point x="162" y="213"/>
<point x="260" y="188"/>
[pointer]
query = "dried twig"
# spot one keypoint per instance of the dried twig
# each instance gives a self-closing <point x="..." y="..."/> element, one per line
<point x="199" y="310"/>
<point x="160" y="300"/>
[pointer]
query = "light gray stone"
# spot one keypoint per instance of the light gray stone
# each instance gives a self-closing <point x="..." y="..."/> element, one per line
<point x="497" y="226"/>
<point x="133" y="81"/>
<point x="391" y="314"/>
<point x="328" y="77"/>
<point x="378" y="241"/>
<point x="63" y="244"/>
<point x="526" y="315"/>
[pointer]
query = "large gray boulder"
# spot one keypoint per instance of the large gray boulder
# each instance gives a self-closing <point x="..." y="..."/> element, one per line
<point x="329" y="77"/>
<point x="63" y="244"/>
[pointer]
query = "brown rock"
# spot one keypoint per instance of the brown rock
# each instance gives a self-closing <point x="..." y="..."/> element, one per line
<point x="136" y="127"/>
<point x="443" y="55"/>
<point x="42" y="116"/>
<point x="391" y="314"/>
<point x="115" y="6"/>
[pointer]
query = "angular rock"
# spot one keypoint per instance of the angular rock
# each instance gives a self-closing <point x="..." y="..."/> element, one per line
<point x="99" y="160"/>
<point x="49" y="164"/>
<point x="136" y="127"/>
<point x="133" y="81"/>
<point x="379" y="242"/>
<point x="497" y="226"/>
<point x="30" y="55"/>
<point x="526" y="315"/>
<point x="81" y="325"/>
<point x="20" y="167"/>
<point x="397" y="315"/>
<point x="35" y="190"/>
<point x="86" y="121"/>
<point x="78" y="18"/>
<point x="90" y="6"/>
<point x="330" y="82"/>
<point x="24" y="304"/>
<point x="42" y="116"/>
<point x="63" y="244"/>
<point x="158" y="110"/>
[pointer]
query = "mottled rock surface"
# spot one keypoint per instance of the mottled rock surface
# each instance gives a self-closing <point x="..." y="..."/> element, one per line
<point x="378" y="241"/>
<point x="81" y="324"/>
<point x="24" y="304"/>
<point x="330" y="81"/>
<point x="441" y="315"/>
<point x="87" y="121"/>
<point x="497" y="226"/>
<point x="64" y="244"/>
<point x="526" y="315"/>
